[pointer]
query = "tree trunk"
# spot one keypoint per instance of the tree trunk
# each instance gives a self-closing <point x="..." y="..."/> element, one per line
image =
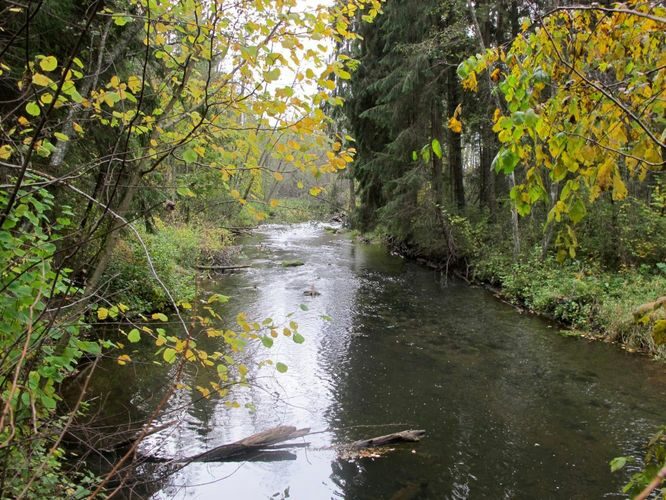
<point x="454" y="141"/>
<point x="436" y="132"/>
<point x="488" y="148"/>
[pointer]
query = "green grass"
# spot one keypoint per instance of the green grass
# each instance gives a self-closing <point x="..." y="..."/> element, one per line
<point x="580" y="295"/>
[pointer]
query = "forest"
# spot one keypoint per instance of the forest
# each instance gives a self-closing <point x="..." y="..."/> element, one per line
<point x="506" y="145"/>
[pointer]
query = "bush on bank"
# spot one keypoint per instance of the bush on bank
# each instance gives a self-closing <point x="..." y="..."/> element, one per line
<point x="175" y="249"/>
<point x="579" y="294"/>
<point x="596" y="292"/>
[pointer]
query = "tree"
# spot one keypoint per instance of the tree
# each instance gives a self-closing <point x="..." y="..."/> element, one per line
<point x="584" y="91"/>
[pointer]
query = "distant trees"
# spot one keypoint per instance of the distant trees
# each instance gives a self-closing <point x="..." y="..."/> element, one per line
<point x="567" y="104"/>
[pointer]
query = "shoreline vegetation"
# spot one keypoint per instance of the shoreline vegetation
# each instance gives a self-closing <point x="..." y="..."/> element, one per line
<point x="584" y="299"/>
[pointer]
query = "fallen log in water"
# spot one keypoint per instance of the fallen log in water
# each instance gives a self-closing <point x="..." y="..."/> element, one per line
<point x="251" y="444"/>
<point x="408" y="436"/>
<point x="222" y="268"/>
<point x="265" y="446"/>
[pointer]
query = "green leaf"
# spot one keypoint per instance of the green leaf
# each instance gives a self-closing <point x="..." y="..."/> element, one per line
<point x="437" y="148"/>
<point x="89" y="347"/>
<point x="267" y="341"/>
<point x="304" y="307"/>
<point x="618" y="463"/>
<point x="134" y="336"/>
<point x="272" y="75"/>
<point x="577" y="211"/>
<point x="463" y="70"/>
<point x="505" y="161"/>
<point x="531" y="118"/>
<point x="298" y="338"/>
<point x="190" y="156"/>
<point x="249" y="52"/>
<point x="281" y="367"/>
<point x="121" y="20"/>
<point x="160" y="316"/>
<point x="48" y="402"/>
<point x="169" y="355"/>
<point x="32" y="109"/>
<point x="185" y="192"/>
<point x="216" y="297"/>
<point x="415" y="156"/>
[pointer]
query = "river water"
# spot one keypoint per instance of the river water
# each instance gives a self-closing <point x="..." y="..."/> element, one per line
<point x="511" y="408"/>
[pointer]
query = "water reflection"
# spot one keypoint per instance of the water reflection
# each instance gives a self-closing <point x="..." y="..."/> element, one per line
<point x="512" y="409"/>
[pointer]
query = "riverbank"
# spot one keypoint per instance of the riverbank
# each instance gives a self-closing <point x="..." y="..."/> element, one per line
<point x="176" y="249"/>
<point x="179" y="250"/>
<point x="584" y="298"/>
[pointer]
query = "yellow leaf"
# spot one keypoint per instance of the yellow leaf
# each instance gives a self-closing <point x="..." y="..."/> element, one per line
<point x="41" y="80"/>
<point x="48" y="63"/>
<point x="5" y="152"/>
<point x="314" y="191"/>
<point x="123" y="359"/>
<point x="619" y="189"/>
<point x="134" y="83"/>
<point x="278" y="176"/>
<point x="77" y="128"/>
<point x="274" y="203"/>
<point x="470" y="82"/>
<point x="46" y="98"/>
<point x="455" y="125"/>
<point x="102" y="313"/>
<point x="23" y="121"/>
<point x="204" y="392"/>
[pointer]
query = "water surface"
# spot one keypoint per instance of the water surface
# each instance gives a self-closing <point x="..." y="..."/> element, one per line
<point x="511" y="408"/>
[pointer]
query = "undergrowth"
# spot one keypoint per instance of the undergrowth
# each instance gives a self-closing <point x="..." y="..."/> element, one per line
<point x="175" y="250"/>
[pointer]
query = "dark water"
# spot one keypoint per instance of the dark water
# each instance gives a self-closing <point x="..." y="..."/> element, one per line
<point x="511" y="408"/>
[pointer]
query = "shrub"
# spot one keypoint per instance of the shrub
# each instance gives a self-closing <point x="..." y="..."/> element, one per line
<point x="174" y="250"/>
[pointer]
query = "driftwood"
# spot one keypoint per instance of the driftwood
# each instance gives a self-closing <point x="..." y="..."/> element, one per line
<point x="265" y="446"/>
<point x="240" y="229"/>
<point x="126" y="444"/>
<point x="250" y="445"/>
<point x="222" y="268"/>
<point x="409" y="436"/>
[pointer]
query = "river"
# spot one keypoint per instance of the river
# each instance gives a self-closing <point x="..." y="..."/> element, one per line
<point x="511" y="408"/>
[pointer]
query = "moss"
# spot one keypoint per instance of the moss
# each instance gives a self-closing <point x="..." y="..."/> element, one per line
<point x="293" y="263"/>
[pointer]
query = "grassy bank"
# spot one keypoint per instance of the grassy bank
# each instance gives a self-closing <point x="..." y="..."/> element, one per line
<point x="175" y="250"/>
<point x="595" y="294"/>
<point x="580" y="295"/>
